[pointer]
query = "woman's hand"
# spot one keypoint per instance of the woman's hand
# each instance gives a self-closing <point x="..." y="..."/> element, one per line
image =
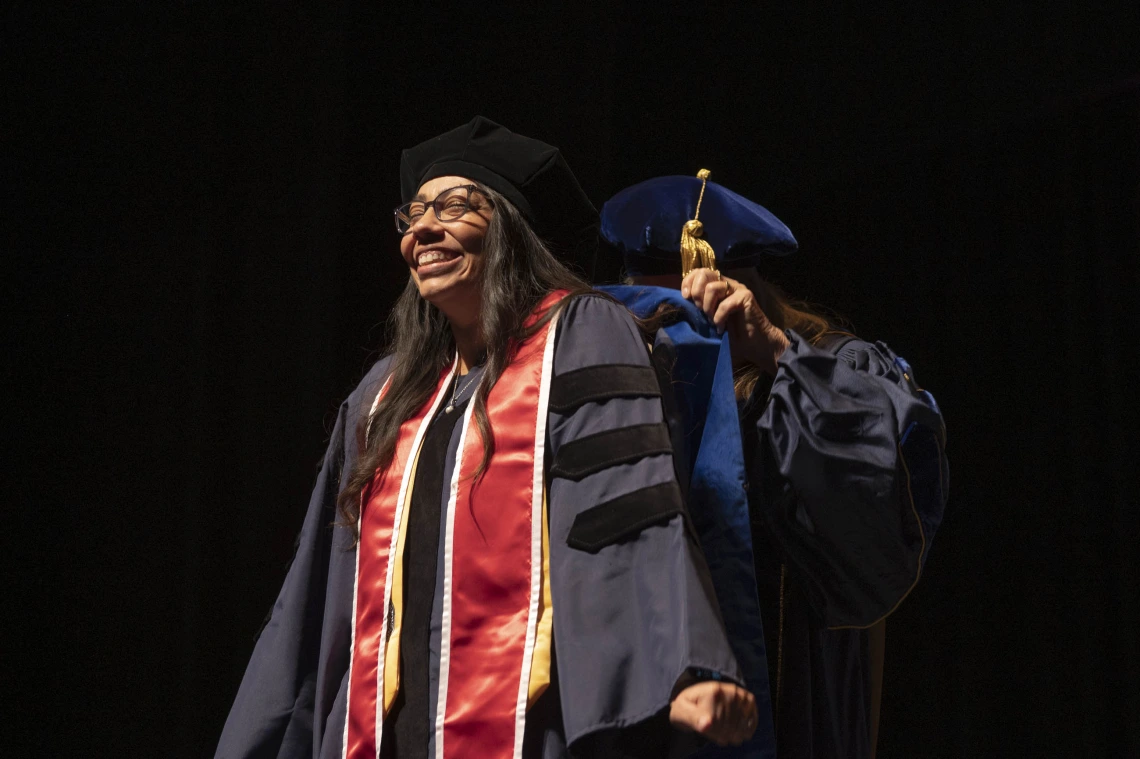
<point x="722" y="712"/>
<point x="733" y="308"/>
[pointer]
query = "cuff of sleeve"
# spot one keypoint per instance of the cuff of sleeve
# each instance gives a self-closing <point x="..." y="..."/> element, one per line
<point x="694" y="675"/>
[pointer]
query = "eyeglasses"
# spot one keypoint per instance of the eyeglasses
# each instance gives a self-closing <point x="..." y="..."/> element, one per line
<point x="450" y="205"/>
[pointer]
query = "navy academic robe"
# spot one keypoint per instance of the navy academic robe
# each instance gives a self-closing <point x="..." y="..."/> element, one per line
<point x="633" y="607"/>
<point x="846" y="484"/>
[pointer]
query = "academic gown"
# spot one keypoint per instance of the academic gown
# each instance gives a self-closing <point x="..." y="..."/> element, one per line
<point x="695" y="363"/>
<point x="846" y="483"/>
<point x="634" y="613"/>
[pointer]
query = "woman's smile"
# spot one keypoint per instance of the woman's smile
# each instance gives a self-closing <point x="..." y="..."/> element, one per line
<point x="435" y="261"/>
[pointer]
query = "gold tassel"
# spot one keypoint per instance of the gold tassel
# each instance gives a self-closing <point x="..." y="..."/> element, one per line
<point x="695" y="252"/>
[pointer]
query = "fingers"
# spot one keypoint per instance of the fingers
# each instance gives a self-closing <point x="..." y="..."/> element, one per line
<point x="687" y="713"/>
<point x="722" y="712"/>
<point x="739" y="715"/>
<point x="736" y="302"/>
<point x="743" y="718"/>
<point x="715" y="292"/>
<point x="706" y="289"/>
<point x="736" y="721"/>
<point x="694" y="278"/>
<point x="694" y="284"/>
<point x="751" y="714"/>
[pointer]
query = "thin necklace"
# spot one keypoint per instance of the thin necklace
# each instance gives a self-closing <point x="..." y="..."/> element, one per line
<point x="455" y="390"/>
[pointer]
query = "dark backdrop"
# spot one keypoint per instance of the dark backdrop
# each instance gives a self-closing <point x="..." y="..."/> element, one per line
<point x="200" y="253"/>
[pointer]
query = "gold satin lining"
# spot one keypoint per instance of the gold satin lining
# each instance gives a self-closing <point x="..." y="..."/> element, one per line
<point x="392" y="645"/>
<point x="544" y="633"/>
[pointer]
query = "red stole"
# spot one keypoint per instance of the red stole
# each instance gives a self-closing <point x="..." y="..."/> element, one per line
<point x="492" y="567"/>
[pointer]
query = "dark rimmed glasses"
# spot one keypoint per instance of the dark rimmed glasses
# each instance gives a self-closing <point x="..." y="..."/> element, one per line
<point x="450" y="205"/>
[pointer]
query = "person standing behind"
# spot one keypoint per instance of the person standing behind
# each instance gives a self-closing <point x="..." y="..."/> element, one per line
<point x="845" y="454"/>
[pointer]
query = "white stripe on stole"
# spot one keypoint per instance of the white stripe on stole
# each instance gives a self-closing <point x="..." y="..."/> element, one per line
<point x="448" y="554"/>
<point x="535" y="536"/>
<point x="355" y="584"/>
<point x="396" y="528"/>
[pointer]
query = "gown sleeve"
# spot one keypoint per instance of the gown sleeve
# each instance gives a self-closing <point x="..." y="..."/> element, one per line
<point x="290" y="683"/>
<point x="854" y="476"/>
<point x="635" y="615"/>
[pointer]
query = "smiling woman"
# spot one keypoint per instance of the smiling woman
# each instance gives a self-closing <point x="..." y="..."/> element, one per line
<point x="508" y="509"/>
<point x="446" y="261"/>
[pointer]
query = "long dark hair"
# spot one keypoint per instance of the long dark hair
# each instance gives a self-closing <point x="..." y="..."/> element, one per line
<point x="519" y="271"/>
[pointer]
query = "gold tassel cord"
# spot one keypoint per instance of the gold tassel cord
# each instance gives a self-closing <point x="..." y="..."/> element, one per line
<point x="695" y="252"/>
<point x="702" y="175"/>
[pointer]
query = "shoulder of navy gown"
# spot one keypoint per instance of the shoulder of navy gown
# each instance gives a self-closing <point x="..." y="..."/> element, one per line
<point x="294" y="679"/>
<point x="634" y="610"/>
<point x="694" y="366"/>
<point x="854" y="476"/>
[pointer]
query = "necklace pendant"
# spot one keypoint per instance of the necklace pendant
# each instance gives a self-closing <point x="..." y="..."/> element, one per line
<point x="449" y="408"/>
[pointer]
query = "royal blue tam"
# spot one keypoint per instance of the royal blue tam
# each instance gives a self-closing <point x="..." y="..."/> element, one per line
<point x="644" y="223"/>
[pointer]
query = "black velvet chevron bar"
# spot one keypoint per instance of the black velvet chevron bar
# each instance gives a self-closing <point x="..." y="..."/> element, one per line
<point x="597" y="383"/>
<point x="594" y="453"/>
<point x="624" y="516"/>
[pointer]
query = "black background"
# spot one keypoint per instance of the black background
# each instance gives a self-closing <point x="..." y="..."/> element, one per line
<point x="200" y="252"/>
